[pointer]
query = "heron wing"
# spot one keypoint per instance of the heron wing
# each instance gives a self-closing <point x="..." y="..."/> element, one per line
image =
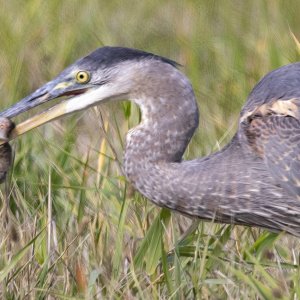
<point x="282" y="152"/>
<point x="273" y="132"/>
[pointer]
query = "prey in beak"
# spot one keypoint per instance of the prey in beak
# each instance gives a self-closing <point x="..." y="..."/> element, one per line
<point x="6" y="154"/>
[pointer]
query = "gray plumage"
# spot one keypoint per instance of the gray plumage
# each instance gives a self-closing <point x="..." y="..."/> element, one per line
<point x="253" y="181"/>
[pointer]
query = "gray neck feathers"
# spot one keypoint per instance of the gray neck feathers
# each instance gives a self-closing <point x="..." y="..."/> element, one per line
<point x="169" y="118"/>
<point x="230" y="185"/>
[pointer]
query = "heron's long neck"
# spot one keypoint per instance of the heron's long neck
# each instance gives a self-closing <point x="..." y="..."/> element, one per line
<point x="209" y="187"/>
<point x="169" y="119"/>
<point x="232" y="185"/>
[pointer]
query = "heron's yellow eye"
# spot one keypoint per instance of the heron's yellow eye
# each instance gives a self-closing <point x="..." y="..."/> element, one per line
<point x="82" y="77"/>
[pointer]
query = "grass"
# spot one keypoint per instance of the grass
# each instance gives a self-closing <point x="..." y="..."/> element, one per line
<point x="73" y="227"/>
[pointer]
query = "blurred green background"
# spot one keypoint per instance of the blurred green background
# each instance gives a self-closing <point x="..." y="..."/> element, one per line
<point x="105" y="240"/>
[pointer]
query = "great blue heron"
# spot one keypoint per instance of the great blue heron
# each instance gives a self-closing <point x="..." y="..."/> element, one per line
<point x="254" y="180"/>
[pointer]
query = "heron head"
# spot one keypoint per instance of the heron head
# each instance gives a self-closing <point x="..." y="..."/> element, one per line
<point x="90" y="80"/>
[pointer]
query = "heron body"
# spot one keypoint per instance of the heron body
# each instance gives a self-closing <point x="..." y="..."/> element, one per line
<point x="253" y="181"/>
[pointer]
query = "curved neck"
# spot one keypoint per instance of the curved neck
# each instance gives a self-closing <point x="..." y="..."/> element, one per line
<point x="211" y="187"/>
<point x="169" y="119"/>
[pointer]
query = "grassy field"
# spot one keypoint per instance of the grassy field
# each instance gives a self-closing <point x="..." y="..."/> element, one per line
<point x="71" y="226"/>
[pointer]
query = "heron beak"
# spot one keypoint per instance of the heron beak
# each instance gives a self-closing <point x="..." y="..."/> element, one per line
<point x="49" y="115"/>
<point x="51" y="90"/>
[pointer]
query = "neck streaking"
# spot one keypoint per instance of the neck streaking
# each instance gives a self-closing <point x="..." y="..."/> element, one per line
<point x="210" y="188"/>
<point x="169" y="119"/>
